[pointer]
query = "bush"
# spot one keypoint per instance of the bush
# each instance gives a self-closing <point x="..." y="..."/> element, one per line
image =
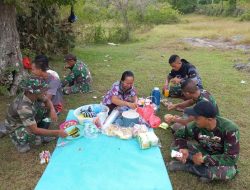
<point x="185" y="6"/>
<point x="245" y="16"/>
<point x="161" y="14"/>
<point x="210" y="10"/>
<point x="41" y="30"/>
<point x="118" y="34"/>
<point x="92" y="13"/>
<point x="95" y="34"/>
<point x="98" y="34"/>
<point x="218" y="10"/>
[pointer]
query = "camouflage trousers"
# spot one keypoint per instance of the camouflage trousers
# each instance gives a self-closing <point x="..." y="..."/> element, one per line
<point x="21" y="136"/>
<point x="76" y="88"/>
<point x="175" y="91"/>
<point x="211" y="172"/>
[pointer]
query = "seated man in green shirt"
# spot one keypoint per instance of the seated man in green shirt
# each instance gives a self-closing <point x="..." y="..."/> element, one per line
<point x="193" y="94"/>
<point x="21" y="123"/>
<point x="79" y="77"/>
<point x="216" y="151"/>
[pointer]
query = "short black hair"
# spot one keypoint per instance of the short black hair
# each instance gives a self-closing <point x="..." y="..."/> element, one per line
<point x="41" y="62"/>
<point x="189" y="85"/>
<point x="172" y="58"/>
<point x="126" y="74"/>
<point x="70" y="57"/>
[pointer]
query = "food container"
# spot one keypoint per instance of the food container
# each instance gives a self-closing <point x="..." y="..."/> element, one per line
<point x="67" y="124"/>
<point x="99" y="110"/>
<point x="130" y="117"/>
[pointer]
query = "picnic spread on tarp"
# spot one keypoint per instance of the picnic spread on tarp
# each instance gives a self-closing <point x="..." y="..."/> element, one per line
<point x="116" y="136"/>
<point x="97" y="156"/>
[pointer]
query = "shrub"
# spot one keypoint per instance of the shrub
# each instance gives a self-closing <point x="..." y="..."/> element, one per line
<point x="245" y="16"/>
<point x="161" y="14"/>
<point x="118" y="34"/>
<point x="99" y="34"/>
<point x="185" y="6"/>
<point x="41" y="30"/>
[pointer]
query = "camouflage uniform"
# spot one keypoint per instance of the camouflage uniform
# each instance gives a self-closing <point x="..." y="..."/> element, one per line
<point x="206" y="96"/>
<point x="79" y="77"/>
<point x="175" y="90"/>
<point x="22" y="112"/>
<point x="220" y="149"/>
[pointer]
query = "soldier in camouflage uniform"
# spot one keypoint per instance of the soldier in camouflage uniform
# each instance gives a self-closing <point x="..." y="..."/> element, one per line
<point x="215" y="155"/>
<point x="79" y="78"/>
<point x="20" y="121"/>
<point x="193" y="95"/>
<point x="181" y="71"/>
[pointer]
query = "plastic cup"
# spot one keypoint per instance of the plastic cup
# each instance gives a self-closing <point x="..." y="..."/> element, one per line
<point x="166" y="93"/>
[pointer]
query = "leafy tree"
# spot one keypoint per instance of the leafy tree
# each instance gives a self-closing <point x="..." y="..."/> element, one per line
<point x="10" y="53"/>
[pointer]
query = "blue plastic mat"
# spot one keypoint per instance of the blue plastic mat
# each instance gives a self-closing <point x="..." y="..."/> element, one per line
<point x="104" y="163"/>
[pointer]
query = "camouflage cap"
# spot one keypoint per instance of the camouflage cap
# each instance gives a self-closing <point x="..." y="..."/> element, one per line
<point x="34" y="85"/>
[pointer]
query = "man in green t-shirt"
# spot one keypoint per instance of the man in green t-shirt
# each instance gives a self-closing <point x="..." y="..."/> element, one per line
<point x="216" y="152"/>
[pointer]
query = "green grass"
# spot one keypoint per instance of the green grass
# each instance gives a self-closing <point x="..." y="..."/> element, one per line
<point x="148" y="59"/>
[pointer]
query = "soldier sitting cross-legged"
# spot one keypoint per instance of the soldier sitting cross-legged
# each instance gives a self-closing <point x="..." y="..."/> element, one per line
<point x="216" y="152"/>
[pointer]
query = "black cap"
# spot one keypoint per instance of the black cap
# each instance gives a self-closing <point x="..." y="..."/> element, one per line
<point x="70" y="57"/>
<point x="203" y="108"/>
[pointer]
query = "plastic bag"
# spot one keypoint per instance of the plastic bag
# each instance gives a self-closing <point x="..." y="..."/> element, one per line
<point x="146" y="112"/>
<point x="154" y="121"/>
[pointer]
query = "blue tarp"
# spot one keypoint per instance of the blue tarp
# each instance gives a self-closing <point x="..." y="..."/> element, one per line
<point x="104" y="163"/>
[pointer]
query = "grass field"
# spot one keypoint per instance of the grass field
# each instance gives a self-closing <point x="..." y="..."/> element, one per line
<point x="148" y="59"/>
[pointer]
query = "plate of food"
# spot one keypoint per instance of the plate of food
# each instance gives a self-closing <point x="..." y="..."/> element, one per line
<point x="67" y="124"/>
<point x="74" y="132"/>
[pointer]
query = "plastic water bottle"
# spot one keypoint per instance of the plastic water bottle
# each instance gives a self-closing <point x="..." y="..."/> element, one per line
<point x="156" y="97"/>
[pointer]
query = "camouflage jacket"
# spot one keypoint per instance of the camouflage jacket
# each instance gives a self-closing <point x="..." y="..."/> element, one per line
<point x="206" y="96"/>
<point x="220" y="147"/>
<point x="79" y="74"/>
<point x="21" y="112"/>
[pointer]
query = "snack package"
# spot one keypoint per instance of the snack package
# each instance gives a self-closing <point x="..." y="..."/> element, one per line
<point x="126" y="133"/>
<point x="176" y="154"/>
<point x="121" y="132"/>
<point x="147" y="140"/>
<point x="143" y="141"/>
<point x="110" y="130"/>
<point x="153" y="139"/>
<point x="137" y="128"/>
<point x="163" y="125"/>
<point x="44" y="157"/>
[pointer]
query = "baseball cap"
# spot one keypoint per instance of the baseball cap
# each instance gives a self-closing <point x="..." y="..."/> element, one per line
<point x="203" y="108"/>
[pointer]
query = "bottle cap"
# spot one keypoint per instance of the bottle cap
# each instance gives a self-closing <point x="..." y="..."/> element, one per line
<point x="156" y="88"/>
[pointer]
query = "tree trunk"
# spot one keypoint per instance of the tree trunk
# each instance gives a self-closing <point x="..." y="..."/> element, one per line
<point x="11" y="68"/>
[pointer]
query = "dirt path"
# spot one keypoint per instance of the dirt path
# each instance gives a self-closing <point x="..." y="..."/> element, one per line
<point x="219" y="43"/>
